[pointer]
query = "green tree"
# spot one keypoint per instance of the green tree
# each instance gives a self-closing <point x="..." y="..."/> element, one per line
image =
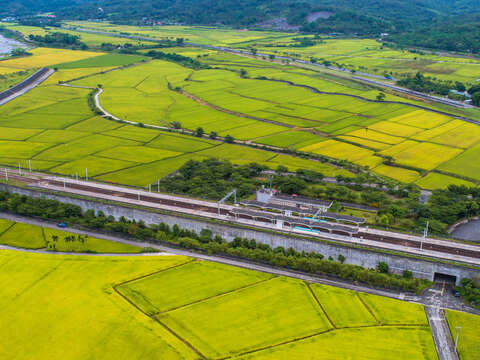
<point x="176" y="125"/>
<point x="381" y="96"/>
<point x="476" y="99"/>
<point x="383" y="268"/>
<point x="199" y="132"/>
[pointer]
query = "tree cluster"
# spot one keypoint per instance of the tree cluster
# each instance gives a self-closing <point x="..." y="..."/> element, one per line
<point x="426" y="84"/>
<point x="470" y="291"/>
<point x="213" y="179"/>
<point x="179" y="59"/>
<point x="59" y="39"/>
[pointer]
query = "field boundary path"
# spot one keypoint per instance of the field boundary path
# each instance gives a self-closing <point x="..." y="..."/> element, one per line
<point x="441" y="333"/>
<point x="170" y="250"/>
<point x="25" y="85"/>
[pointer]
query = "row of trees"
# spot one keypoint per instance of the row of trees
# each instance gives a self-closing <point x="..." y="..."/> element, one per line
<point x="59" y="39"/>
<point x="206" y="242"/>
<point x="180" y="59"/>
<point x="420" y="82"/>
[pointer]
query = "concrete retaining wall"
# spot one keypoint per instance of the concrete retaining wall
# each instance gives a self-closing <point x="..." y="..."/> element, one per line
<point x="363" y="257"/>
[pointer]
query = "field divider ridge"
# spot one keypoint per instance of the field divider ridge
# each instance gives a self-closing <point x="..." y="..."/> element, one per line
<point x="188" y="344"/>
<point x="7" y="229"/>
<point x="278" y="344"/>
<point x="217" y="295"/>
<point x="368" y="308"/>
<point x="189" y="260"/>
<point x="320" y="304"/>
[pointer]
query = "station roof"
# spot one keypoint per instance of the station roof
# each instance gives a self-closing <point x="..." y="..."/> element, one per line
<point x="296" y="221"/>
<point x="327" y="215"/>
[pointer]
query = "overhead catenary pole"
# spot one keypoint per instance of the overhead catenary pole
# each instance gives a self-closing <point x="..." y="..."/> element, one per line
<point x="425" y="234"/>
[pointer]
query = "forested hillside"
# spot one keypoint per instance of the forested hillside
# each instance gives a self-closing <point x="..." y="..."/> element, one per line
<point x="446" y="24"/>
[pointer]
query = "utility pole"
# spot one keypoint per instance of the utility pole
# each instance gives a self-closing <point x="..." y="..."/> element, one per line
<point x="6" y="174"/>
<point x="458" y="328"/>
<point x="19" y="169"/>
<point x="30" y="165"/>
<point x="158" y="183"/>
<point x="86" y="174"/>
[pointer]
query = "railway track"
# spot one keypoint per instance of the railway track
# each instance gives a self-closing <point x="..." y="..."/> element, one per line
<point x="155" y="199"/>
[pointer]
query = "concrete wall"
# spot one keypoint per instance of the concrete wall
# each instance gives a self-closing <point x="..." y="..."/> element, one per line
<point x="370" y="259"/>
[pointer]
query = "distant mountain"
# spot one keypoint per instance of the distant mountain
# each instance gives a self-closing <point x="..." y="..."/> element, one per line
<point x="29" y="7"/>
<point x="408" y="21"/>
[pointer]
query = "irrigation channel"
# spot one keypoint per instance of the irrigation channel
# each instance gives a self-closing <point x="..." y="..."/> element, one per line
<point x="7" y="45"/>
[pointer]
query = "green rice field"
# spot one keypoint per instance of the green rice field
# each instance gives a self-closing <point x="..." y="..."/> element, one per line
<point x="186" y="309"/>
<point x="27" y="236"/>
<point x="468" y="334"/>
<point x="256" y="101"/>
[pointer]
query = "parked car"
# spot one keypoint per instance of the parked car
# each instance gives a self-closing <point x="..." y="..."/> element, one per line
<point x="62" y="225"/>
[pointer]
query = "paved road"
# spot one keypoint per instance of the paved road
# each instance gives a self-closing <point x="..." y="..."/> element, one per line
<point x="441" y="333"/>
<point x="28" y="87"/>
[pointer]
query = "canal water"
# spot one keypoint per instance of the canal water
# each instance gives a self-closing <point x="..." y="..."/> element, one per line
<point x="7" y="45"/>
<point x="468" y="231"/>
